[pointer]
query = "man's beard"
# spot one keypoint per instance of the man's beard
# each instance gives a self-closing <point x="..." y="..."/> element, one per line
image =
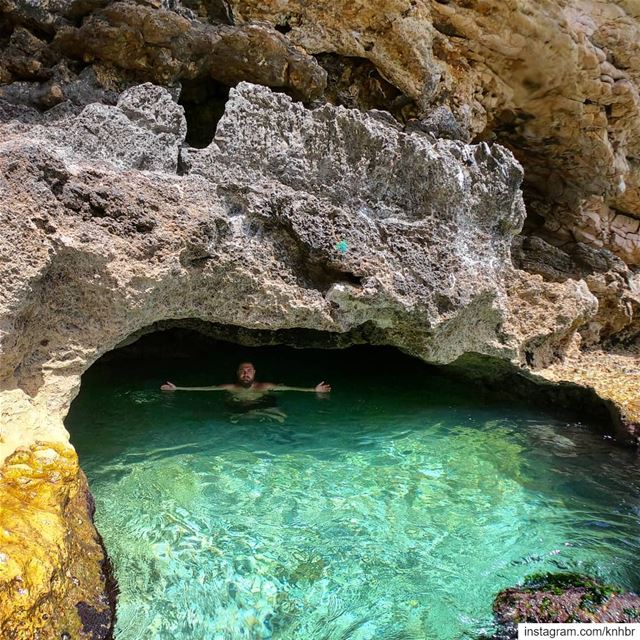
<point x="246" y="384"/>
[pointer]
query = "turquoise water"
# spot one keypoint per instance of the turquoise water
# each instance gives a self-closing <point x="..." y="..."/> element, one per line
<point x="396" y="508"/>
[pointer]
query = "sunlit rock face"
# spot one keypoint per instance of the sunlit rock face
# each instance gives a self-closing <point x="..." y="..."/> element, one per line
<point x="555" y="82"/>
<point x="128" y="41"/>
<point x="303" y="214"/>
<point x="53" y="575"/>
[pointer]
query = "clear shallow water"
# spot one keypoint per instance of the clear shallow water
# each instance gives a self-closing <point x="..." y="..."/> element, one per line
<point x="397" y="508"/>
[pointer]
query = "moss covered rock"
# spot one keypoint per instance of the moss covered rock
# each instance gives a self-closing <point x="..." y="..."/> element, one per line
<point x="563" y="597"/>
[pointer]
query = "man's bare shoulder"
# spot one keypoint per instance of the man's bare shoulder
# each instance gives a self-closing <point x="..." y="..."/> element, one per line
<point x="265" y="386"/>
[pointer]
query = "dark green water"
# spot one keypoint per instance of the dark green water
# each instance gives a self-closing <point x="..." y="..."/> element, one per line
<point x="396" y="508"/>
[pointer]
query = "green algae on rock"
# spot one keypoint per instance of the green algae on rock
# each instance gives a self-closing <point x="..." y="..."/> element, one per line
<point x="563" y="598"/>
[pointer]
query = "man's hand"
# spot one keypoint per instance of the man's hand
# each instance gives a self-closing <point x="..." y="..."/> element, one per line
<point x="168" y="386"/>
<point x="323" y="387"/>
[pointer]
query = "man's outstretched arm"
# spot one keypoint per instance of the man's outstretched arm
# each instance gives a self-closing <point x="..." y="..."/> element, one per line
<point x="169" y="386"/>
<point x="322" y="387"/>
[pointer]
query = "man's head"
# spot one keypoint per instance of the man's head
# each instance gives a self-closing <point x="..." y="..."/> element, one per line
<point x="246" y="374"/>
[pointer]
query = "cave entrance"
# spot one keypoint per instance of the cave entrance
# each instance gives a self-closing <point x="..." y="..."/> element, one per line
<point x="397" y="507"/>
<point x="203" y="100"/>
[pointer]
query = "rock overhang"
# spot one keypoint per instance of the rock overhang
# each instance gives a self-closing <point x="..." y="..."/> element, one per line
<point x="188" y="247"/>
<point x="250" y="232"/>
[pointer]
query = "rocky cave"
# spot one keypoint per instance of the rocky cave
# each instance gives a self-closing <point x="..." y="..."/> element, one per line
<point x="457" y="180"/>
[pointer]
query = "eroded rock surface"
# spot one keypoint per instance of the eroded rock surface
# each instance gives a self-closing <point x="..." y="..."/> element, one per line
<point x="556" y="82"/>
<point x="327" y="219"/>
<point x="128" y="42"/>
<point x="394" y="230"/>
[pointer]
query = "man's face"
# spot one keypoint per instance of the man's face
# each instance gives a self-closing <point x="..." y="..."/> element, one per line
<point x="246" y="374"/>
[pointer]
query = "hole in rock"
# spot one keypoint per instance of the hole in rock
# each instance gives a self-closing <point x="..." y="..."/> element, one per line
<point x="80" y="9"/>
<point x="356" y="83"/>
<point x="203" y="101"/>
<point x="398" y="505"/>
<point x="6" y="29"/>
<point x="283" y="28"/>
<point x="447" y="28"/>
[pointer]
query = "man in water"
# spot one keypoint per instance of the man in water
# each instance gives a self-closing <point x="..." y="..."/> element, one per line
<point x="249" y="396"/>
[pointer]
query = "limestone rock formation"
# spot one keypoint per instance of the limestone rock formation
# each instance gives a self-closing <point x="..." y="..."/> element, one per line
<point x="300" y="214"/>
<point x="254" y="220"/>
<point x="53" y="576"/>
<point x="556" y="82"/>
<point x="167" y="47"/>
<point x="127" y="41"/>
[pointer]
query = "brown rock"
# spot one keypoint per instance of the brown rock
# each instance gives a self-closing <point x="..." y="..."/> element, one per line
<point x="165" y="47"/>
<point x="558" y="84"/>
<point x="562" y="598"/>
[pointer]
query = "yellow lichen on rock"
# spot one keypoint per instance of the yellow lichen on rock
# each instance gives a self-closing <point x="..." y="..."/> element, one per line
<point x="50" y="558"/>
